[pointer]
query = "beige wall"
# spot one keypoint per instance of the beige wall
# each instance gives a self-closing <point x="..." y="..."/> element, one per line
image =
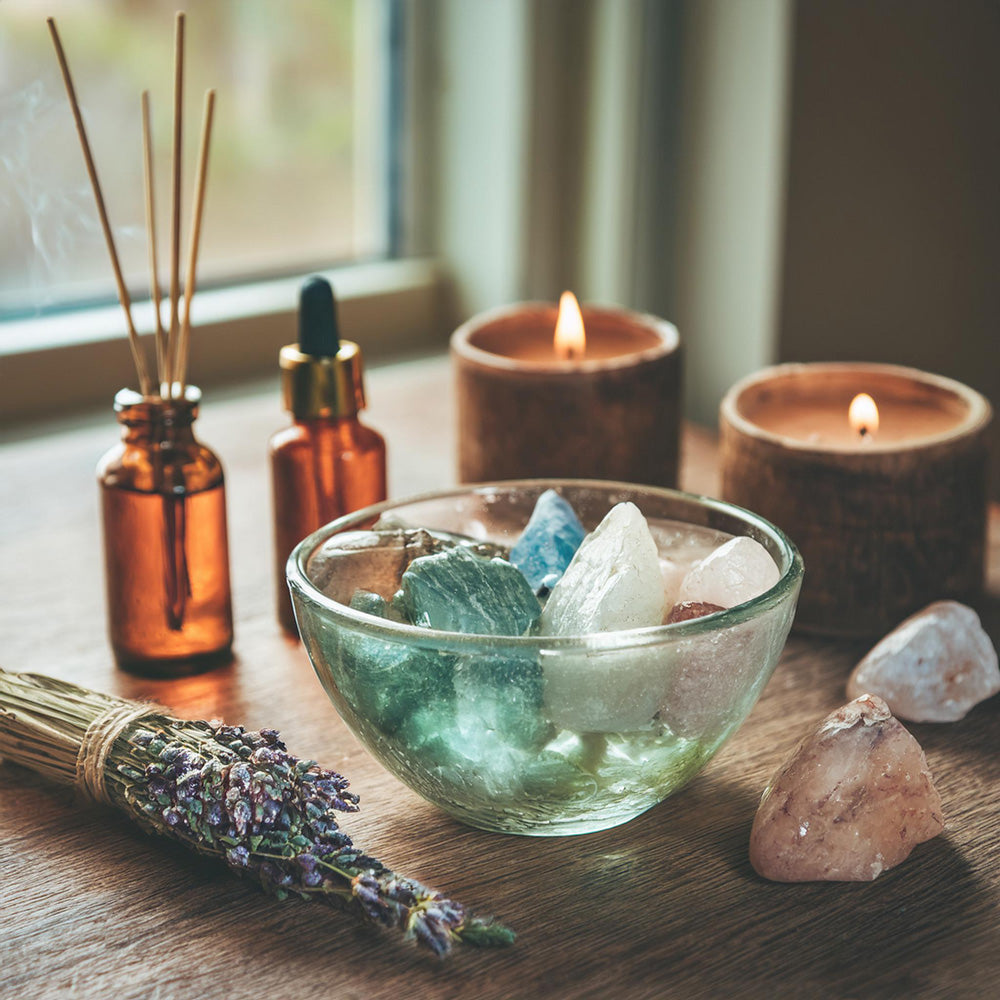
<point x="892" y="209"/>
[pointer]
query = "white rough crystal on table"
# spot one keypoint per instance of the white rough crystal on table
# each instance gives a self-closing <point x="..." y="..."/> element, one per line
<point x="852" y="801"/>
<point x="933" y="667"/>
<point x="613" y="583"/>
<point x="735" y="572"/>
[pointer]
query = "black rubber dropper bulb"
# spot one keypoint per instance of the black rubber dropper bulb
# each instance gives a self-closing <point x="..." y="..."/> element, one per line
<point x="318" y="332"/>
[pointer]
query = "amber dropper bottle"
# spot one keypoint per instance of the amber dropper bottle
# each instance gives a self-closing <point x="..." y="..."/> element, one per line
<point x="327" y="463"/>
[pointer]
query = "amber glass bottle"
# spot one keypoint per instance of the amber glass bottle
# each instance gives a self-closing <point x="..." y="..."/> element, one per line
<point x="166" y="550"/>
<point x="327" y="463"/>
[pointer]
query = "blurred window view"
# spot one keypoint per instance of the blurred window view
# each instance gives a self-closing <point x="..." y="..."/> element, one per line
<point x="298" y="172"/>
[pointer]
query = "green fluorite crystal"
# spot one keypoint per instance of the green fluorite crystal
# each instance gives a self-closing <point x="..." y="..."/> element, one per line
<point x="502" y="695"/>
<point x="385" y="680"/>
<point x="375" y="604"/>
<point x="457" y="591"/>
<point x="463" y="716"/>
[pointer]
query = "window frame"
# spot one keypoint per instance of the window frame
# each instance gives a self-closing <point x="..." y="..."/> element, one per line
<point x="80" y="358"/>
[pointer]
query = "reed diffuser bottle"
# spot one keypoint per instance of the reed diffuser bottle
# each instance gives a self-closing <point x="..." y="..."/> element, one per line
<point x="166" y="551"/>
<point x="162" y="495"/>
<point x="327" y="463"/>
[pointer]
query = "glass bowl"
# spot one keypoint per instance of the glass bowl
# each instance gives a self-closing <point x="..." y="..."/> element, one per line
<point x="537" y="735"/>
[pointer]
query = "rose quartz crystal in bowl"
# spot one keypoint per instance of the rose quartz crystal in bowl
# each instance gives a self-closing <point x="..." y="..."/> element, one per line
<point x="522" y="701"/>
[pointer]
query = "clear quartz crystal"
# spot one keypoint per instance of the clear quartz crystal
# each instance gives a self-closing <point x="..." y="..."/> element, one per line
<point x="853" y="800"/>
<point x="613" y="583"/>
<point x="933" y="667"/>
<point x="609" y="586"/>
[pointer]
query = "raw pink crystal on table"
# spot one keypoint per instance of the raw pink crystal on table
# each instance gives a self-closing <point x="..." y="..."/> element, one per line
<point x="932" y="668"/>
<point x="852" y="801"/>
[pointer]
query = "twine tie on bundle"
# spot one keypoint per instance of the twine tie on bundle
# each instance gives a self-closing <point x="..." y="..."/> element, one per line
<point x="97" y="743"/>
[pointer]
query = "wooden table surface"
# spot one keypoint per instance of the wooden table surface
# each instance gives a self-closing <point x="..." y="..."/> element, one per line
<point x="664" y="906"/>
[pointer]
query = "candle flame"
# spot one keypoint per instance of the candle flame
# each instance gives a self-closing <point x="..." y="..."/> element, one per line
<point x="570" y="340"/>
<point x="863" y="416"/>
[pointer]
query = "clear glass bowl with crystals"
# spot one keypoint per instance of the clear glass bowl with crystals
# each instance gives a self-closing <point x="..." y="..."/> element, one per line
<point x="536" y="734"/>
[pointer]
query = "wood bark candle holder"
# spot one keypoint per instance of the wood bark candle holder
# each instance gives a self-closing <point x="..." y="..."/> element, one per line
<point x="886" y="522"/>
<point x="524" y="412"/>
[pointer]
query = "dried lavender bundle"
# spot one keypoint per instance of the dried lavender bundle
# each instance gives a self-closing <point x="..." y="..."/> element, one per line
<point x="226" y="792"/>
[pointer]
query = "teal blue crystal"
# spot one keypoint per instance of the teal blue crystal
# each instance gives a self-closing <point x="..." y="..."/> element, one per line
<point x="548" y="543"/>
<point x="457" y="591"/>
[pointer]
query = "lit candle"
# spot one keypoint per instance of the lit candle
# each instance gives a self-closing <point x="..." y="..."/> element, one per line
<point x="581" y="394"/>
<point x="862" y="415"/>
<point x="824" y="408"/>
<point x="570" y="338"/>
<point x="884" y="492"/>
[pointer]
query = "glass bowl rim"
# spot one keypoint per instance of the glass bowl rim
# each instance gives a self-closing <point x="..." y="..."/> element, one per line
<point x="649" y="635"/>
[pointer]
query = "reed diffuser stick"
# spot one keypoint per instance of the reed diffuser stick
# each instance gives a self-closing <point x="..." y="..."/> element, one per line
<point x="154" y="281"/>
<point x="175" y="203"/>
<point x="195" y="236"/>
<point x="145" y="384"/>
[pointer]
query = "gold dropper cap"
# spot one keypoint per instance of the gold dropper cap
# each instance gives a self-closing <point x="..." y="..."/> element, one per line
<point x="315" y="386"/>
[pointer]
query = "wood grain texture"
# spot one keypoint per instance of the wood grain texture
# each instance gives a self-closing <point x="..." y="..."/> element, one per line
<point x="665" y="906"/>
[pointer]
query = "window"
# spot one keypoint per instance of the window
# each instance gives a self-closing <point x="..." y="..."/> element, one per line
<point x="298" y="175"/>
<point x="525" y="147"/>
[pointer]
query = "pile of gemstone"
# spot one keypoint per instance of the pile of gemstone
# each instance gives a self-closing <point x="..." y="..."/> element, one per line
<point x="497" y="719"/>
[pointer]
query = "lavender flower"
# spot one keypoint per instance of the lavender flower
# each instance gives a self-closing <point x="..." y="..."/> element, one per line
<point x="239" y="796"/>
<point x="270" y="816"/>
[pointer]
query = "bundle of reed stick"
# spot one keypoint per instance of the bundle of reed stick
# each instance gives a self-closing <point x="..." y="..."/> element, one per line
<point x="172" y="342"/>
